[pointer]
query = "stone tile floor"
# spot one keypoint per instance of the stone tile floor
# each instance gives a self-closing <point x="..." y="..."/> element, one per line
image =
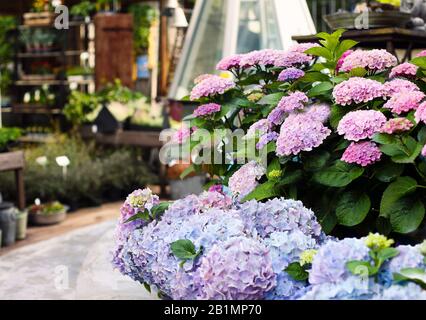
<point x="74" y="265"/>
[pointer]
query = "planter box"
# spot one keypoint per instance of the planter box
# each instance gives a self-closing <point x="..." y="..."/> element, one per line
<point x="39" y="18"/>
<point x="375" y="20"/>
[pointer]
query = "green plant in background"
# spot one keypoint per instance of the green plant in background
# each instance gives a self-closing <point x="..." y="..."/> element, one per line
<point x="116" y="92"/>
<point x="83" y="9"/>
<point x="143" y="17"/>
<point x="79" y="106"/>
<point x="8" y="135"/>
<point x="6" y="51"/>
<point x="93" y="176"/>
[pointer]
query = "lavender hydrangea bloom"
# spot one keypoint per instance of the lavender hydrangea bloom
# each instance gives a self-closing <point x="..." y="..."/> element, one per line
<point x="265" y="139"/>
<point x="238" y="269"/>
<point x="290" y="74"/>
<point x="377" y="60"/>
<point x="409" y="291"/>
<point x="278" y="215"/>
<point x="266" y="57"/>
<point x="300" y="133"/>
<point x="294" y="101"/>
<point x="352" y="288"/>
<point x="258" y="128"/>
<point x="211" y="86"/>
<point x="409" y="257"/>
<point x="319" y="112"/>
<point x="207" y="109"/>
<point x="329" y="265"/>
<point x="290" y="59"/>
<point x="285" y="248"/>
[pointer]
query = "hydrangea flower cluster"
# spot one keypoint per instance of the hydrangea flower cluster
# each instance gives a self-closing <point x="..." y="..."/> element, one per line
<point x="245" y="249"/>
<point x="292" y="102"/>
<point x="375" y="60"/>
<point x="420" y="114"/>
<point x="404" y="102"/>
<point x="404" y="70"/>
<point x="360" y="125"/>
<point x="357" y="90"/>
<point x="229" y="63"/>
<point x="300" y="133"/>
<point x="207" y="109"/>
<point x="399" y="86"/>
<point x="245" y="180"/>
<point x="290" y="74"/>
<point x="397" y="125"/>
<point x="362" y="153"/>
<point x="211" y="86"/>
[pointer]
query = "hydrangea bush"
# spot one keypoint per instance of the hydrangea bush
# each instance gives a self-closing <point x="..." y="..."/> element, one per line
<point x="210" y="247"/>
<point x="344" y="132"/>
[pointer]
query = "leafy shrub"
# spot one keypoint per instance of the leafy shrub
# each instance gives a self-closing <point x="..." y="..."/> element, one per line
<point x="8" y="135"/>
<point x="344" y="131"/>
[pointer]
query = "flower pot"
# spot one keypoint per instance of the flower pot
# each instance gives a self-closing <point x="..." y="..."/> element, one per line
<point x="345" y="20"/>
<point x="40" y="219"/>
<point x="21" y="225"/>
<point x="8" y="223"/>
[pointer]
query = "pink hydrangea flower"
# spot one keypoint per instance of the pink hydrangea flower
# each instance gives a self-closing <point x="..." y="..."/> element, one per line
<point x="288" y="59"/>
<point x="399" y="85"/>
<point x="264" y="57"/>
<point x="211" y="86"/>
<point x="362" y="153"/>
<point x="202" y="77"/>
<point x="397" y="125"/>
<point x="266" y="138"/>
<point x="357" y="90"/>
<point x="421" y="54"/>
<point x="319" y="112"/>
<point x="300" y="132"/>
<point x="207" y="109"/>
<point x="181" y="136"/>
<point x="277" y="116"/>
<point x="424" y="149"/>
<point x="290" y="74"/>
<point x="359" y="125"/>
<point x="230" y="62"/>
<point x="404" y="102"/>
<point x="342" y="60"/>
<point x="259" y="128"/>
<point x="420" y="114"/>
<point x="302" y="47"/>
<point x="375" y="60"/>
<point x="245" y="180"/>
<point x="404" y="70"/>
<point x="294" y="101"/>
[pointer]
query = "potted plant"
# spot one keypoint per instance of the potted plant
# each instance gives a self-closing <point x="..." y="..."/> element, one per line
<point x="8" y="223"/>
<point x="21" y="225"/>
<point x="382" y="13"/>
<point x="108" y="5"/>
<point x="7" y="137"/>
<point x="82" y="10"/>
<point x="47" y="214"/>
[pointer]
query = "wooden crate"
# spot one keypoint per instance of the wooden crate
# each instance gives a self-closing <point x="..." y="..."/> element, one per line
<point x="39" y="18"/>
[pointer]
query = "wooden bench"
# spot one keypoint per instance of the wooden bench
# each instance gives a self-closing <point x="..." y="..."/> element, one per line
<point x="15" y="161"/>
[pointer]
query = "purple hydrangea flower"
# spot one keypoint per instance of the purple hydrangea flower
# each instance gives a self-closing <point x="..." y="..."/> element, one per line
<point x="329" y="265"/>
<point x="278" y="215"/>
<point x="290" y="59"/>
<point x="266" y="138"/>
<point x="409" y="291"/>
<point x="290" y="74"/>
<point x="264" y="57"/>
<point x="360" y="125"/>
<point x="319" y="112"/>
<point x="237" y="269"/>
<point x="211" y="86"/>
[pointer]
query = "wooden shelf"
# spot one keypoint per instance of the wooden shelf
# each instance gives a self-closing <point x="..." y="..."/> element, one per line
<point x="71" y="24"/>
<point x="34" y="109"/>
<point x="51" y="54"/>
<point x="36" y="138"/>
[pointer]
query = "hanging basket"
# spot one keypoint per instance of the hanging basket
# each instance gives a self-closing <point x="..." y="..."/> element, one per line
<point x="345" y="20"/>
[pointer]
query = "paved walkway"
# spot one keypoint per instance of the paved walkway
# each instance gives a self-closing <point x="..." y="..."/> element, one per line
<point x="75" y="265"/>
